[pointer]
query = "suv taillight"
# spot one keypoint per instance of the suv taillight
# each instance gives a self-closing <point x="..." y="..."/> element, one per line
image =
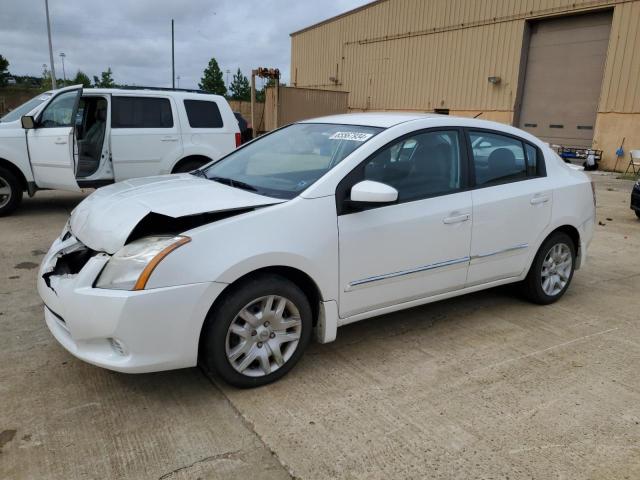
<point x="238" y="139"/>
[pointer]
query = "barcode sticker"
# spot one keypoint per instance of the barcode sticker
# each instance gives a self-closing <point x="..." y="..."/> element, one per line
<point x="353" y="136"/>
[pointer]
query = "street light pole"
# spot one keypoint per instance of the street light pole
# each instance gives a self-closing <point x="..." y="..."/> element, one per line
<point x="64" y="74"/>
<point x="53" y="68"/>
<point x="173" y="64"/>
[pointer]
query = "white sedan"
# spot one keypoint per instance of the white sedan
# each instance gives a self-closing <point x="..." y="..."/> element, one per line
<point x="316" y="225"/>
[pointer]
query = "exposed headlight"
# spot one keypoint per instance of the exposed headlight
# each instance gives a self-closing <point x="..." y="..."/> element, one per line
<point x="131" y="266"/>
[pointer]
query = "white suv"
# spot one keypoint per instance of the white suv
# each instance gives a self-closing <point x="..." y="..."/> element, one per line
<point x="73" y="138"/>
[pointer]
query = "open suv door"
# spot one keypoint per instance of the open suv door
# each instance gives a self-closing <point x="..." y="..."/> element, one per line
<point x="51" y="141"/>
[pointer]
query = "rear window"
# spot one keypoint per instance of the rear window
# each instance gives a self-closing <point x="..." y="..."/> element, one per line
<point x="141" y="112"/>
<point x="203" y="114"/>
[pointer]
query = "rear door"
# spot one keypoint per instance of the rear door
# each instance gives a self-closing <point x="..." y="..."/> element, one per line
<point x="52" y="142"/>
<point x="145" y="135"/>
<point x="511" y="204"/>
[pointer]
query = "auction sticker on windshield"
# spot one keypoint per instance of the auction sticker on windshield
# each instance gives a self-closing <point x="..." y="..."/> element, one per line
<point x="353" y="136"/>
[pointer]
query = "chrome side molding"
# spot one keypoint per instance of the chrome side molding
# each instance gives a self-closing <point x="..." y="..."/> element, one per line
<point x="498" y="252"/>
<point x="386" y="276"/>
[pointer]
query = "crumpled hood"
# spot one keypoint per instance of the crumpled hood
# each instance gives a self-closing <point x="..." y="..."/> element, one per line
<point x="104" y="220"/>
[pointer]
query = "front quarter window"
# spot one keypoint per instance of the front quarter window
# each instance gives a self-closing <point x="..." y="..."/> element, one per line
<point x="288" y="161"/>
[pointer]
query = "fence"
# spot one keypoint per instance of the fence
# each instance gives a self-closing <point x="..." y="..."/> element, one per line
<point x="296" y="104"/>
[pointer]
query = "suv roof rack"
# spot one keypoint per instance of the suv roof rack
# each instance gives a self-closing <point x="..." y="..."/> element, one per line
<point x="136" y="87"/>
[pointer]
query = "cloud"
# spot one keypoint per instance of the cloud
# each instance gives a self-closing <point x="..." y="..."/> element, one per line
<point x="133" y="37"/>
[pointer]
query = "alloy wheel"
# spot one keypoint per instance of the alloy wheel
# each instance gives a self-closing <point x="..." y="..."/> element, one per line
<point x="263" y="335"/>
<point x="556" y="269"/>
<point x="5" y="192"/>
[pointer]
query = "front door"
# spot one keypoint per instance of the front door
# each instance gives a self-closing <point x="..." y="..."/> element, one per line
<point x="51" y="143"/>
<point x="511" y="205"/>
<point x="419" y="246"/>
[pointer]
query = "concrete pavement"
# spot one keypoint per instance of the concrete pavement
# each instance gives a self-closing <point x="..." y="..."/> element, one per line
<point x="483" y="386"/>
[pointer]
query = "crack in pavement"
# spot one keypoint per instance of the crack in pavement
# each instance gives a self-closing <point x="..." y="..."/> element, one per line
<point x="249" y="425"/>
<point x="219" y="456"/>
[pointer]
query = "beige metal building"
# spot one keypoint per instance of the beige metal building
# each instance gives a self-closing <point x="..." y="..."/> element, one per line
<point x="566" y="70"/>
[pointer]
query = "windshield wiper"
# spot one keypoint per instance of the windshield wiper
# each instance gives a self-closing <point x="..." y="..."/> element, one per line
<point x="234" y="183"/>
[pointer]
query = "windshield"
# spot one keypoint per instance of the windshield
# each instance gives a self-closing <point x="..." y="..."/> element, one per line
<point x="286" y="162"/>
<point x="25" y="108"/>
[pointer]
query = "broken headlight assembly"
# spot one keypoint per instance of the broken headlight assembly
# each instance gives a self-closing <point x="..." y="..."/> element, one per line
<point x="131" y="266"/>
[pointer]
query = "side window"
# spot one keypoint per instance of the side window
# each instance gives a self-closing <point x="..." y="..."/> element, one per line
<point x="59" y="112"/>
<point x="535" y="164"/>
<point x="419" y="166"/>
<point x="203" y="114"/>
<point x="141" y="112"/>
<point x="497" y="158"/>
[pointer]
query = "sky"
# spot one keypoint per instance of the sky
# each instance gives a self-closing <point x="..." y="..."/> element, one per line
<point x="133" y="37"/>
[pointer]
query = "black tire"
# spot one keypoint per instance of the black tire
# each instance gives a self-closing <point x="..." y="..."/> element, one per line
<point x="213" y="353"/>
<point x="10" y="181"/>
<point x="532" y="285"/>
<point x="188" y="166"/>
<point x="637" y="213"/>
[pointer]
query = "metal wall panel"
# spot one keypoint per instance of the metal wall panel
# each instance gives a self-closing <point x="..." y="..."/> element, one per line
<point x="425" y="54"/>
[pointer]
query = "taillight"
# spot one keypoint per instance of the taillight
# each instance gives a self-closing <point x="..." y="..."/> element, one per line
<point x="238" y="139"/>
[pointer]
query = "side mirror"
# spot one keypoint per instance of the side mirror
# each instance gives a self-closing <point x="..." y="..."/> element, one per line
<point x="370" y="192"/>
<point x="27" y="122"/>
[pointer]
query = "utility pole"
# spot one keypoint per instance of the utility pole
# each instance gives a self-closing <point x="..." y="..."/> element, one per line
<point x="228" y="72"/>
<point x="173" y="62"/>
<point x="64" y="74"/>
<point x="53" y="69"/>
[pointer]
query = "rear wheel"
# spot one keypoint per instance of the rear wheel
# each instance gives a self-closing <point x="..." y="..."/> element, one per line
<point x="187" y="166"/>
<point x="10" y="192"/>
<point x="257" y="332"/>
<point x="552" y="270"/>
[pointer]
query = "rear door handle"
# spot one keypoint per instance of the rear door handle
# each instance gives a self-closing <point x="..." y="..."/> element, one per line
<point x="456" y="218"/>
<point x="169" y="139"/>
<point x="538" y="199"/>
<point x="60" y="141"/>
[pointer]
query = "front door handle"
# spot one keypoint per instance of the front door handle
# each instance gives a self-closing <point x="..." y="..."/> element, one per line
<point x="456" y="218"/>
<point x="538" y="199"/>
<point x="169" y="139"/>
<point x="60" y="141"/>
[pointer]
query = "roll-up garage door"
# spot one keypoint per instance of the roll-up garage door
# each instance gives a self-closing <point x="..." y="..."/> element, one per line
<point x="563" y="78"/>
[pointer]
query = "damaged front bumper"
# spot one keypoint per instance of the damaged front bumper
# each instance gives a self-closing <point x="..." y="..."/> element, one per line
<point x="126" y="331"/>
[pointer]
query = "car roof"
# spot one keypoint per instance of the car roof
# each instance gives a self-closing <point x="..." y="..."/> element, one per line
<point x="428" y="120"/>
<point x="373" y="119"/>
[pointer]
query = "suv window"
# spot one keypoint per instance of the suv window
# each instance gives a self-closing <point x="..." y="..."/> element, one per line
<point x="203" y="114"/>
<point x="141" y="112"/>
<point x="59" y="112"/>
<point x="419" y="166"/>
<point x="497" y="158"/>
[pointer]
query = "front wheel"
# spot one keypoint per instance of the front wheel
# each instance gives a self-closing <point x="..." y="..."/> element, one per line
<point x="552" y="270"/>
<point x="10" y="192"/>
<point x="257" y="332"/>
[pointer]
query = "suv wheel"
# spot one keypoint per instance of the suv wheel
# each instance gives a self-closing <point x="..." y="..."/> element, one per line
<point x="552" y="270"/>
<point x="258" y="332"/>
<point x="10" y="192"/>
<point x="188" y="166"/>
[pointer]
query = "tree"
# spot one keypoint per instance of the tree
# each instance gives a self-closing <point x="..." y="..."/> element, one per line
<point x="212" y="80"/>
<point x="261" y="93"/>
<point x="105" y="80"/>
<point x="240" y="88"/>
<point x="82" y="78"/>
<point x="4" y="70"/>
